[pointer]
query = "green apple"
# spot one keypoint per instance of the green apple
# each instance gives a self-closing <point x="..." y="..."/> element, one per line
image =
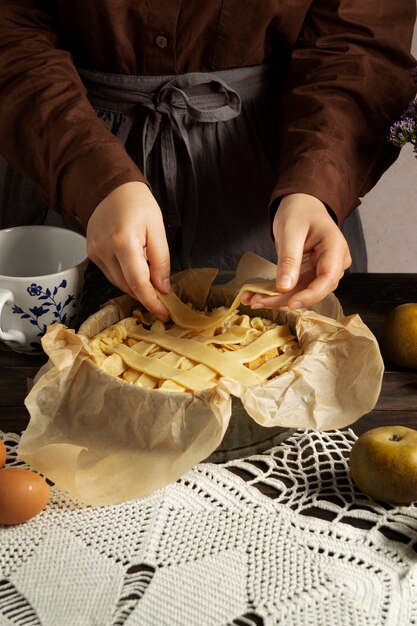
<point x="383" y="464"/>
<point x="399" y="337"/>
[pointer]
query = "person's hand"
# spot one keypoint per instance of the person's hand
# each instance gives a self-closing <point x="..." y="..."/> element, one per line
<point x="126" y="240"/>
<point x="312" y="254"/>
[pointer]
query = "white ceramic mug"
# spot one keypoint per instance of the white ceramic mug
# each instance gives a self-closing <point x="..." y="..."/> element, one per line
<point x="41" y="277"/>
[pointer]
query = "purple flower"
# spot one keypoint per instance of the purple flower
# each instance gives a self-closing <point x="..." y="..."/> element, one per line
<point x="34" y="289"/>
<point x="403" y="131"/>
<point x="411" y="111"/>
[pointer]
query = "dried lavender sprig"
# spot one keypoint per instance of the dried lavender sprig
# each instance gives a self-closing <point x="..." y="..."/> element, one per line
<point x="410" y="112"/>
<point x="402" y="132"/>
<point x="405" y="130"/>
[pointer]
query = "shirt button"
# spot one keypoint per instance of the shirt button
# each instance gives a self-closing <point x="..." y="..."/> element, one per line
<point x="161" y="41"/>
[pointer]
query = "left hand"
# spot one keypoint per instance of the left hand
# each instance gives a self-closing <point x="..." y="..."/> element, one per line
<point x="312" y="254"/>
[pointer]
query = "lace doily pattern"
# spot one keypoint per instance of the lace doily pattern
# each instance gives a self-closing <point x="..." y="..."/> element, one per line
<point x="282" y="537"/>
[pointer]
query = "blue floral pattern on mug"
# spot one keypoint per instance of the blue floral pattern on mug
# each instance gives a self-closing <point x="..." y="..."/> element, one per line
<point x="49" y="304"/>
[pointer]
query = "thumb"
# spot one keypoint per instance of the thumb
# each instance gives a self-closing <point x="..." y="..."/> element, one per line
<point x="290" y="256"/>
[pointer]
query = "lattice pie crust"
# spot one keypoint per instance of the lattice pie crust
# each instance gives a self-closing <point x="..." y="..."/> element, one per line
<point x="194" y="349"/>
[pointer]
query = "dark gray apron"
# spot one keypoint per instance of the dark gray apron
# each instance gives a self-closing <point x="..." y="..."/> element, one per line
<point x="207" y="142"/>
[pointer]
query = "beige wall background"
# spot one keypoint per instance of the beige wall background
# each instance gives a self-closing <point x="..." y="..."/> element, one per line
<point x="389" y="214"/>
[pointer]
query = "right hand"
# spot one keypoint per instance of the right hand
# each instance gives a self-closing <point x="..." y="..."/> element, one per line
<point x="312" y="254"/>
<point x="126" y="239"/>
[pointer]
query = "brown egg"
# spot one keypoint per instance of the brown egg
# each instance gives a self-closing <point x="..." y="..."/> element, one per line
<point x="23" y="494"/>
<point x="2" y="454"/>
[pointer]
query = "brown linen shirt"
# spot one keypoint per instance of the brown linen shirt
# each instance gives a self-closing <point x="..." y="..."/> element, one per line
<point x="345" y="79"/>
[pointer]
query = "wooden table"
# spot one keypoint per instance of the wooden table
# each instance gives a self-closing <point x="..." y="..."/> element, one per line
<point x="372" y="296"/>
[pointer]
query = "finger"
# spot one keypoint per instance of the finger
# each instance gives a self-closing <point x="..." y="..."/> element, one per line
<point x="330" y="269"/>
<point x="137" y="275"/>
<point x="159" y="261"/>
<point x="347" y="260"/>
<point x="246" y="297"/>
<point x="109" y="266"/>
<point x="112" y="271"/>
<point x="316" y="254"/>
<point x="307" y="291"/>
<point x="317" y="291"/>
<point x="259" y="301"/>
<point x="290" y="248"/>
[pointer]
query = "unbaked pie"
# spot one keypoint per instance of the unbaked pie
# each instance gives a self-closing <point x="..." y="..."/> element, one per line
<point x="194" y="349"/>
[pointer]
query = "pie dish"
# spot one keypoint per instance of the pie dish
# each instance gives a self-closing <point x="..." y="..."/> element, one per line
<point x="106" y="439"/>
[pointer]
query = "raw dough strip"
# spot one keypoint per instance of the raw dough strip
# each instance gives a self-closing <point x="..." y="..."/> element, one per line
<point x="186" y="317"/>
<point x="177" y="331"/>
<point x="143" y="347"/>
<point x="160" y="369"/>
<point x="220" y="362"/>
<point x="149" y="382"/>
<point x="271" y="367"/>
<point x="202" y="371"/>
<point x="235" y="335"/>
<point x="271" y="339"/>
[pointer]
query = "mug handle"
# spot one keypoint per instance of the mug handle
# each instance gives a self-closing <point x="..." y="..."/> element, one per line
<point x="11" y="335"/>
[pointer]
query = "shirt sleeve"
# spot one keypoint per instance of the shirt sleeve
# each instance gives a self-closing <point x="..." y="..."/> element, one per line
<point x="349" y="80"/>
<point x="49" y="131"/>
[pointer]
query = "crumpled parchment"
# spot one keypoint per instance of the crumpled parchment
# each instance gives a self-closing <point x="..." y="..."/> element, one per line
<point x="105" y="441"/>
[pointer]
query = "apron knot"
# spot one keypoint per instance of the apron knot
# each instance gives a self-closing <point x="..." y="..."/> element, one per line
<point x="204" y="99"/>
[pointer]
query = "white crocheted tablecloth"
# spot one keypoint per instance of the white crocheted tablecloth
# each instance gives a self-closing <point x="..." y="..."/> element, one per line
<point x="214" y="550"/>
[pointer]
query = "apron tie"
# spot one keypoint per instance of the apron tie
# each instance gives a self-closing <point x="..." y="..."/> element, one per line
<point x="204" y="97"/>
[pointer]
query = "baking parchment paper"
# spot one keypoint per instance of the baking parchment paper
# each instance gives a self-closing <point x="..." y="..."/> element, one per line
<point x="106" y="441"/>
